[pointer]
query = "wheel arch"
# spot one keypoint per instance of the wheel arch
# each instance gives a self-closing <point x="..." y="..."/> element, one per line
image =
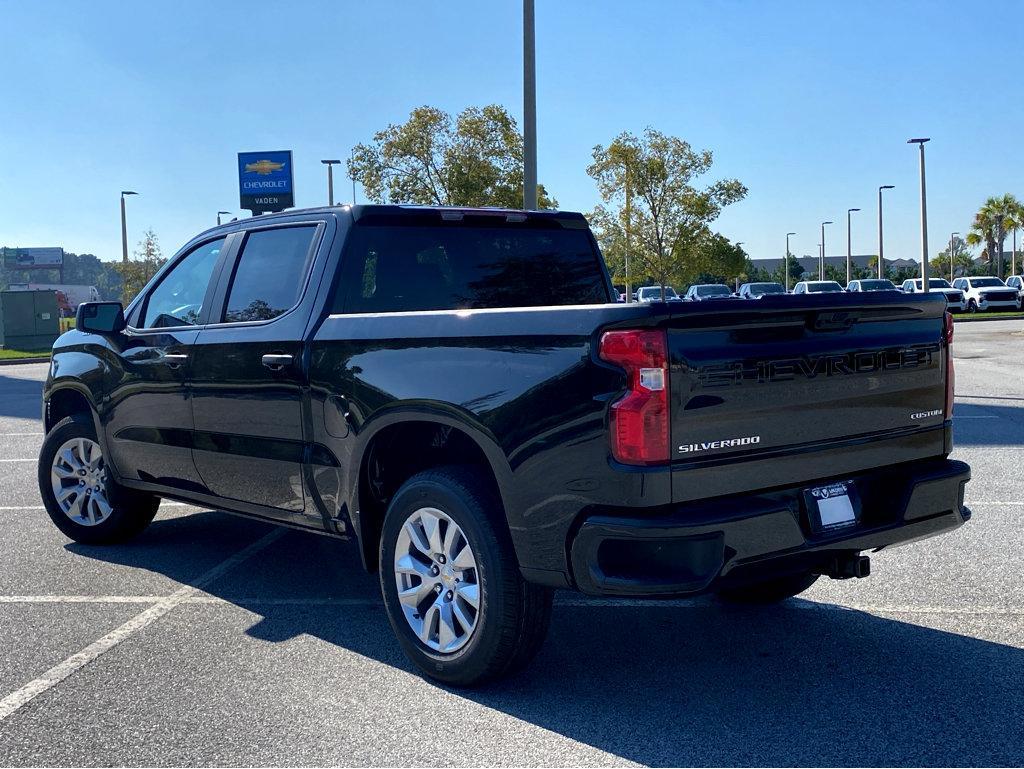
<point x="64" y="400"/>
<point x="402" y="443"/>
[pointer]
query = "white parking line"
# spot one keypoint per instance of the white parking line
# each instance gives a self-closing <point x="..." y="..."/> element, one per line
<point x="162" y="504"/>
<point x="16" y="700"/>
<point x="81" y="598"/>
<point x="11" y="435"/>
<point x="701" y="602"/>
<point x="29" y="459"/>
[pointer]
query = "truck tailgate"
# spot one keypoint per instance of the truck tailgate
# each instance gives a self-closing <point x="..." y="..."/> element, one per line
<point x="788" y="389"/>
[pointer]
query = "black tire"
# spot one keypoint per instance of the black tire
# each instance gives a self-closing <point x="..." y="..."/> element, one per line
<point x="770" y="590"/>
<point x="131" y="511"/>
<point x="513" y="616"/>
<point x="972" y="306"/>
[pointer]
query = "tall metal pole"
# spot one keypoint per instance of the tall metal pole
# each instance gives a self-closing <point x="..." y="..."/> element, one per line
<point x="124" y="233"/>
<point x="330" y="179"/>
<point x="787" y="258"/>
<point x="924" y="217"/>
<point x="881" y="256"/>
<point x="952" y="240"/>
<point x="629" y="220"/>
<point x="737" y="279"/>
<point x="1013" y="256"/>
<point x="124" y="226"/>
<point x="821" y="263"/>
<point x="849" y="242"/>
<point x="529" y="109"/>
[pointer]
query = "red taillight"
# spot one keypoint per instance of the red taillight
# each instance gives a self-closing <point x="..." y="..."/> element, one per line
<point x="950" y="374"/>
<point x="639" y="420"/>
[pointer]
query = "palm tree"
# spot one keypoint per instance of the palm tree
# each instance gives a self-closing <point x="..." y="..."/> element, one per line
<point x="997" y="217"/>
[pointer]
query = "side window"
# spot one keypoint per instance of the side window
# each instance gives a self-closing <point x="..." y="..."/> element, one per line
<point x="177" y="299"/>
<point x="270" y="273"/>
<point x="418" y="267"/>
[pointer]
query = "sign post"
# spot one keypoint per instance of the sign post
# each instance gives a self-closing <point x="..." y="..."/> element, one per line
<point x="265" y="181"/>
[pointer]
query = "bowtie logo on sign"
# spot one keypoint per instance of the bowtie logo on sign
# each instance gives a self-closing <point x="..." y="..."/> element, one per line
<point x="265" y="182"/>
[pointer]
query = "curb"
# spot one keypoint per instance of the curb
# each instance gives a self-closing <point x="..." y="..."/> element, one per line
<point x="17" y="361"/>
<point x="982" y="319"/>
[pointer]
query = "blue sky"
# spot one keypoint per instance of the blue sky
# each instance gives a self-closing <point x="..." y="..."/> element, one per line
<point x="808" y="103"/>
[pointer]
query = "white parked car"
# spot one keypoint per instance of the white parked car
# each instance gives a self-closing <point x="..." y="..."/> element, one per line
<point x="817" y="287"/>
<point x="870" y="284"/>
<point x="758" y="290"/>
<point x="955" y="299"/>
<point x="653" y="294"/>
<point x="987" y="294"/>
<point x="705" y="292"/>
<point x="1017" y="282"/>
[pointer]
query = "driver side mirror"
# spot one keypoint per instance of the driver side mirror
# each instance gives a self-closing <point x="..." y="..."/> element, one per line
<point x="100" y="318"/>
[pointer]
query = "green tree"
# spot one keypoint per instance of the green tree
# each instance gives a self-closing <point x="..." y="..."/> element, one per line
<point x="89" y="270"/>
<point x="714" y="259"/>
<point x="668" y="215"/>
<point x="997" y="216"/>
<point x="136" y="273"/>
<point x="962" y="260"/>
<point x="431" y="159"/>
<point x="612" y="240"/>
<point x="796" y="271"/>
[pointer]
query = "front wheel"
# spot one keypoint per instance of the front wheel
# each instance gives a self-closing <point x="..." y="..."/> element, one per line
<point x="451" y="583"/>
<point x="972" y="306"/>
<point x="81" y="498"/>
<point x="770" y="590"/>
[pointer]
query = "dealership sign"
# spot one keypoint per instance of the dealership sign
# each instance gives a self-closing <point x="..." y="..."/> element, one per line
<point x="33" y="258"/>
<point x="265" y="181"/>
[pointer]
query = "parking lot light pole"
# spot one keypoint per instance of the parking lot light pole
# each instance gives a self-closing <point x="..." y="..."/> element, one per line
<point x="221" y="213"/>
<point x="952" y="240"/>
<point x="124" y="226"/>
<point x="881" y="258"/>
<point x="821" y="264"/>
<point x="352" y="159"/>
<point x="529" y="108"/>
<point x="330" y="179"/>
<point x="924" y="217"/>
<point x="849" y="242"/>
<point x="787" y="258"/>
<point x="738" y="245"/>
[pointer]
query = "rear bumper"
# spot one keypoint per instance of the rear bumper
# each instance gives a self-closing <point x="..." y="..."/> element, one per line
<point x="704" y="546"/>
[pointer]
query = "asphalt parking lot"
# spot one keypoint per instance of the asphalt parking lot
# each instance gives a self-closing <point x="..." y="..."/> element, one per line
<point x="215" y="640"/>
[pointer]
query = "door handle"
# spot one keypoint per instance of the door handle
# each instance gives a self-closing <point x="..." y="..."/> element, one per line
<point x="174" y="359"/>
<point x="276" y="362"/>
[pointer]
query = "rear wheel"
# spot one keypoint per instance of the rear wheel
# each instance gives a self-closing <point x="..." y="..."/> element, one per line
<point x="81" y="498"/>
<point x="770" y="590"/>
<point x="451" y="583"/>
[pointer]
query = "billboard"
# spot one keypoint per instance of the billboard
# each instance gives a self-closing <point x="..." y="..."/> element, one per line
<point x="33" y="258"/>
<point x="265" y="181"/>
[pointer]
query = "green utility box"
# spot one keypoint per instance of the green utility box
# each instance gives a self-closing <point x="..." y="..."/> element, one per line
<point x="28" y="320"/>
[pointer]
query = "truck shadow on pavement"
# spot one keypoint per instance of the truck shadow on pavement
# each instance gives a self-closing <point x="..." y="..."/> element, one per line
<point x="22" y="398"/>
<point x="655" y="683"/>
<point x="985" y="424"/>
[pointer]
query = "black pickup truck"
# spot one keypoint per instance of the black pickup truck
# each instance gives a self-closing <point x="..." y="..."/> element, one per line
<point x="457" y="391"/>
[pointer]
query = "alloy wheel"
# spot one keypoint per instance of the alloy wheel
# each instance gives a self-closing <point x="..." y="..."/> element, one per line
<point x="437" y="579"/>
<point x="79" y="481"/>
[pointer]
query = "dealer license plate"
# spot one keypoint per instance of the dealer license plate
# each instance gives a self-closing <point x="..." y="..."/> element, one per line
<point x="832" y="507"/>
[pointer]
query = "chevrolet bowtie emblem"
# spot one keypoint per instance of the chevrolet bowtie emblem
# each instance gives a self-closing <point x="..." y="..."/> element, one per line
<point x="263" y="167"/>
